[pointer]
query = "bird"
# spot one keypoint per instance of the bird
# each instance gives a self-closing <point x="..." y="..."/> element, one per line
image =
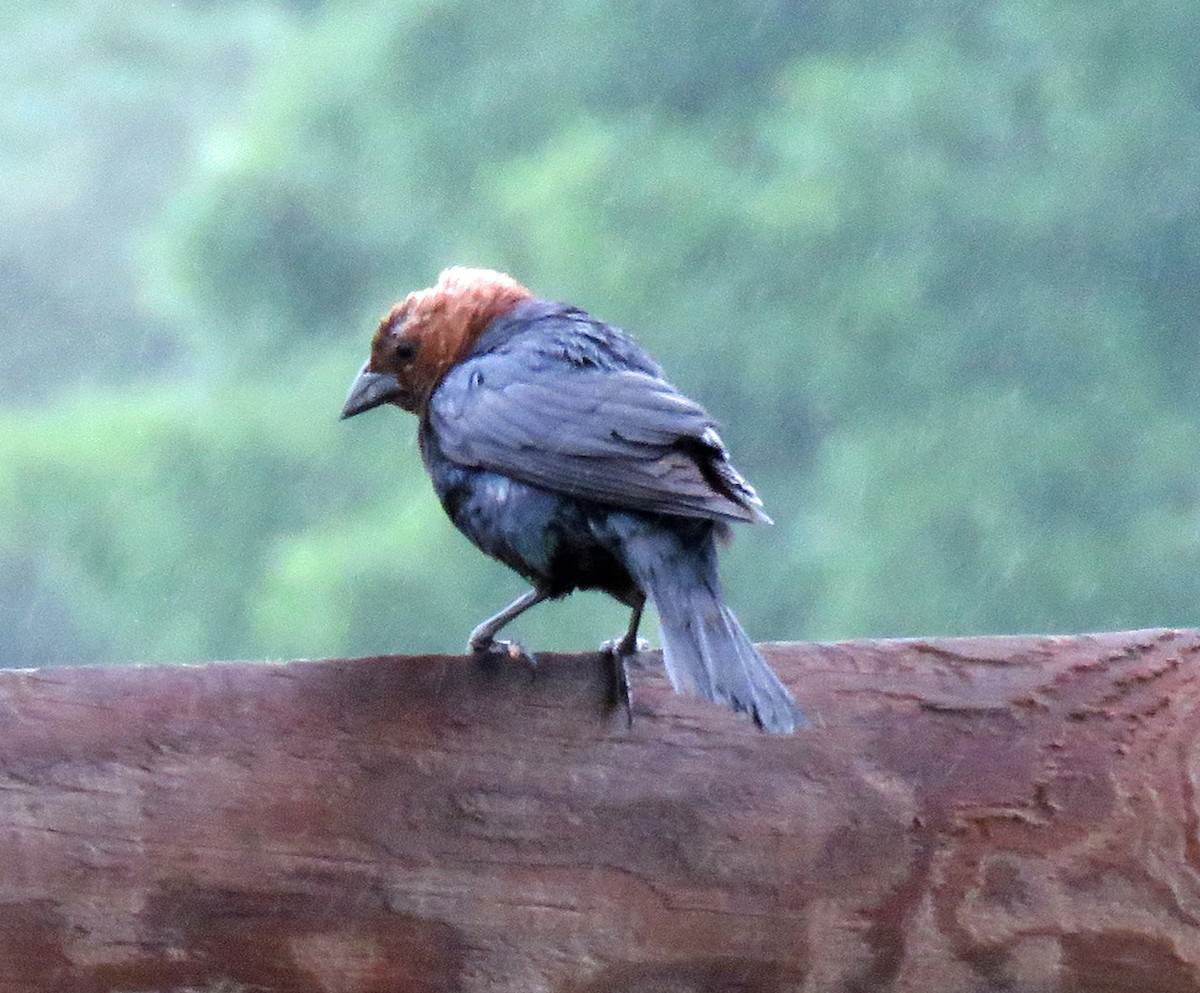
<point x="558" y="447"/>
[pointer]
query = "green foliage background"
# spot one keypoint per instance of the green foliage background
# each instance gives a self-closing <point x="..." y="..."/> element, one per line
<point x="934" y="266"/>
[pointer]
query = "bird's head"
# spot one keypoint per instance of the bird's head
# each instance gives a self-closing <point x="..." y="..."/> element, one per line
<point x="421" y="338"/>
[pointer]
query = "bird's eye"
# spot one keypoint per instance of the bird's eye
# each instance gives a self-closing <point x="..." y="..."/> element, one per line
<point x="406" y="350"/>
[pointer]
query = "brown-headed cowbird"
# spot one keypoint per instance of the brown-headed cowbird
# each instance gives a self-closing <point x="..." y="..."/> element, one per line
<point x="556" y="446"/>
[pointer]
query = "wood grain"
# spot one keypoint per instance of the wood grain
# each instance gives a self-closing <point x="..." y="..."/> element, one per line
<point x="1013" y="814"/>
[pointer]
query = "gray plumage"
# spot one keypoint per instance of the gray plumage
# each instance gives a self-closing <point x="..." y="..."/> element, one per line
<point x="557" y="446"/>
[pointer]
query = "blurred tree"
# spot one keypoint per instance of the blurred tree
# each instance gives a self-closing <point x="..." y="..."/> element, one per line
<point x="105" y="108"/>
<point x="933" y="264"/>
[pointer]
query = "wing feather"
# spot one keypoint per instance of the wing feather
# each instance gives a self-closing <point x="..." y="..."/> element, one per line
<point x="617" y="436"/>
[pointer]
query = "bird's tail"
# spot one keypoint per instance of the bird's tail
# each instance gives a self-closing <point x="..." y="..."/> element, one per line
<point x="705" y="649"/>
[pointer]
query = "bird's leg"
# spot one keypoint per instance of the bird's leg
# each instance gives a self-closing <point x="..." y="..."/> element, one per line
<point x="483" y="638"/>
<point x="619" y="652"/>
<point x="631" y="644"/>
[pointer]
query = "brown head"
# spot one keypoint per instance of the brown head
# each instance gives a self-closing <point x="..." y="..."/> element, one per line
<point x="421" y="338"/>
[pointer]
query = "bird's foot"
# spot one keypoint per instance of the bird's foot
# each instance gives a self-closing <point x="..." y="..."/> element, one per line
<point x="620" y="652"/>
<point x="623" y="647"/>
<point x="492" y="651"/>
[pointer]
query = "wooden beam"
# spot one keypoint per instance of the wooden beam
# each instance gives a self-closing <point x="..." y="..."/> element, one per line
<point x="975" y="814"/>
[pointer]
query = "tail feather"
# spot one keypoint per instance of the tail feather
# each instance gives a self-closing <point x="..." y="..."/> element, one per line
<point x="705" y="650"/>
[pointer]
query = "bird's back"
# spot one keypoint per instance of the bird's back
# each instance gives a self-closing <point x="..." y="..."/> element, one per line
<point x="549" y="334"/>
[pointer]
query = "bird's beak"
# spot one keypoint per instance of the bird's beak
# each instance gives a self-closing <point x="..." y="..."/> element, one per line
<point x="368" y="390"/>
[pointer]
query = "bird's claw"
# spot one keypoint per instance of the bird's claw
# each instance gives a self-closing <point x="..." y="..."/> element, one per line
<point x="621" y="647"/>
<point x="493" y="650"/>
<point x="620" y="653"/>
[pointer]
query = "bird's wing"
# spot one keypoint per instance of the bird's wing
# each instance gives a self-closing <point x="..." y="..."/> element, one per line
<point x="620" y="437"/>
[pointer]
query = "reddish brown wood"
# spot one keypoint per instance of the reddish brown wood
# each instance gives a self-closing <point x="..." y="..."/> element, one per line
<point x="984" y="814"/>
